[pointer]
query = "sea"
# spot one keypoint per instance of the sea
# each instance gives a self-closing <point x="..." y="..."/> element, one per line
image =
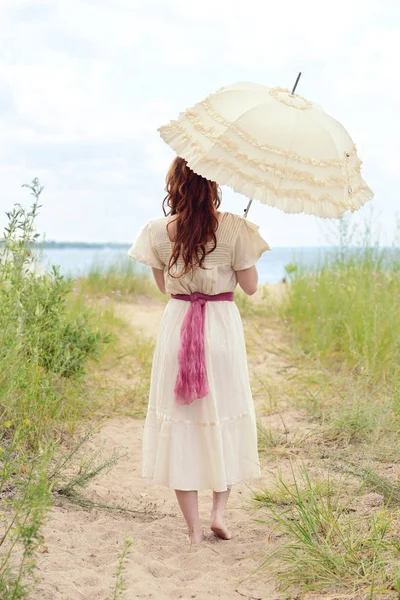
<point x="74" y="262"/>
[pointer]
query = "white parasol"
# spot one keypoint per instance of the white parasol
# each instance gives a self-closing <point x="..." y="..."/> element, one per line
<point x="274" y="146"/>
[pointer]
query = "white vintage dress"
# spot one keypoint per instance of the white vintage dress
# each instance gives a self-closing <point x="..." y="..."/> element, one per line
<point x="211" y="443"/>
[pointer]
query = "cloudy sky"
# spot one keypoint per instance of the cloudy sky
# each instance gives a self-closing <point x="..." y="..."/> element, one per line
<point x="84" y="84"/>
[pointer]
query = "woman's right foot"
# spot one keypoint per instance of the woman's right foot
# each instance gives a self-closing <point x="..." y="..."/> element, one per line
<point x="219" y="527"/>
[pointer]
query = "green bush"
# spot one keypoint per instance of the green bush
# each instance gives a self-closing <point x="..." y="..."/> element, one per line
<point x="61" y="344"/>
<point x="33" y="308"/>
<point x="44" y="350"/>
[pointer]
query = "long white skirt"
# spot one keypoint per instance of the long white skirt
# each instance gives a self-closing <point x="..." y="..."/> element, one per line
<point x="211" y="443"/>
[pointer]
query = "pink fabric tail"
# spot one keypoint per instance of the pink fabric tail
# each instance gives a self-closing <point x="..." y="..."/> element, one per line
<point x="191" y="383"/>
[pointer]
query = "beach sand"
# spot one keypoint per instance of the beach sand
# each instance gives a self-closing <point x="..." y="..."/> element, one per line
<point x="82" y="546"/>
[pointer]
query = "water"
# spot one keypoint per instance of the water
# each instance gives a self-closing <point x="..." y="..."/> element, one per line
<point x="78" y="261"/>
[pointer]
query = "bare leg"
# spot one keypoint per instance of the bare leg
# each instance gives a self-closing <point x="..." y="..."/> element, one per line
<point x="218" y="526"/>
<point x="188" y="502"/>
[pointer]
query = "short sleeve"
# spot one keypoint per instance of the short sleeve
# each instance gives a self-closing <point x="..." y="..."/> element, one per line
<point x="143" y="251"/>
<point x="249" y="246"/>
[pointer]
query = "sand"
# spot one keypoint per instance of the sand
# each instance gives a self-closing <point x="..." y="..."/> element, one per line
<point x="82" y="546"/>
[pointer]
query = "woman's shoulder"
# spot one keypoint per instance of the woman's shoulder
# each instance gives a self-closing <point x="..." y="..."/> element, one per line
<point x="235" y="218"/>
<point x="232" y="224"/>
<point x="158" y="221"/>
<point x="157" y="228"/>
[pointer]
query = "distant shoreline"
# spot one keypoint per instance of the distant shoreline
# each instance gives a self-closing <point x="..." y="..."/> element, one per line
<point x="51" y="245"/>
<point x="78" y="245"/>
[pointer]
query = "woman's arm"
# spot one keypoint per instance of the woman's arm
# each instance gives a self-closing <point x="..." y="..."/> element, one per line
<point x="158" y="275"/>
<point x="248" y="280"/>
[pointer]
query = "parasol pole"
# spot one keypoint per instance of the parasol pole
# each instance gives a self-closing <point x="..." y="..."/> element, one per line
<point x="246" y="210"/>
<point x="295" y="85"/>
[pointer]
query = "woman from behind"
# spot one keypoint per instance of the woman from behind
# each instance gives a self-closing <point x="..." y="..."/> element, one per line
<point x="200" y="430"/>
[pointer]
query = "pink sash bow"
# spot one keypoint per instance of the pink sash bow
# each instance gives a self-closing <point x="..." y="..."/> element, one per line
<point x="191" y="382"/>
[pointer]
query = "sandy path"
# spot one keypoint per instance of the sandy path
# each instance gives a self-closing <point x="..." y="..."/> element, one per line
<point x="83" y="546"/>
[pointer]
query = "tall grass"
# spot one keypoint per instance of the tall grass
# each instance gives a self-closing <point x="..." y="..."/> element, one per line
<point x="347" y="313"/>
<point x="326" y="548"/>
<point x="44" y="350"/>
<point x="119" y="281"/>
<point x="344" y="319"/>
<point x="343" y="322"/>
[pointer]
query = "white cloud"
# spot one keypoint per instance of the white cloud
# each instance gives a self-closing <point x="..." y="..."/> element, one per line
<point x="84" y="84"/>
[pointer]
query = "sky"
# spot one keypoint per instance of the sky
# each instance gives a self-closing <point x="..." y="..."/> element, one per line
<point x="84" y="84"/>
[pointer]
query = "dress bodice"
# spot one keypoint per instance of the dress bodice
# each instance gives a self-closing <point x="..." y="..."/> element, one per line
<point x="239" y="245"/>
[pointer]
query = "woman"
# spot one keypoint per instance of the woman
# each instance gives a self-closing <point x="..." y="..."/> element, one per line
<point x="200" y="430"/>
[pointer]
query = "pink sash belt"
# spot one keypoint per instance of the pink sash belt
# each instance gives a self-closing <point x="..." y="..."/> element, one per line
<point x="191" y="382"/>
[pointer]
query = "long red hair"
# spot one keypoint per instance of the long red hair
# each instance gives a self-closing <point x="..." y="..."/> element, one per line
<point x="194" y="200"/>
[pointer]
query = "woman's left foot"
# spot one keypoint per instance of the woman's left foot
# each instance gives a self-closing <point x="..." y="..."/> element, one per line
<point x="196" y="537"/>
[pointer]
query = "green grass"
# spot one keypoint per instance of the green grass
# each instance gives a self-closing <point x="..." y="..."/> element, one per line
<point x="249" y="307"/>
<point x="328" y="547"/>
<point x="45" y="347"/>
<point x="342" y="326"/>
<point x="119" y="281"/>
<point x="121" y="382"/>
<point x="347" y="313"/>
<point x="119" y="587"/>
<point x="343" y="321"/>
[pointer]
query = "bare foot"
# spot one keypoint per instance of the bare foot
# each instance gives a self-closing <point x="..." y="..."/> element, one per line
<point x="195" y="537"/>
<point x="219" y="527"/>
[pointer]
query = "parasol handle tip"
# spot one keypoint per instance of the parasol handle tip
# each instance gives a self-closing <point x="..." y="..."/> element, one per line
<point x="295" y="85"/>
